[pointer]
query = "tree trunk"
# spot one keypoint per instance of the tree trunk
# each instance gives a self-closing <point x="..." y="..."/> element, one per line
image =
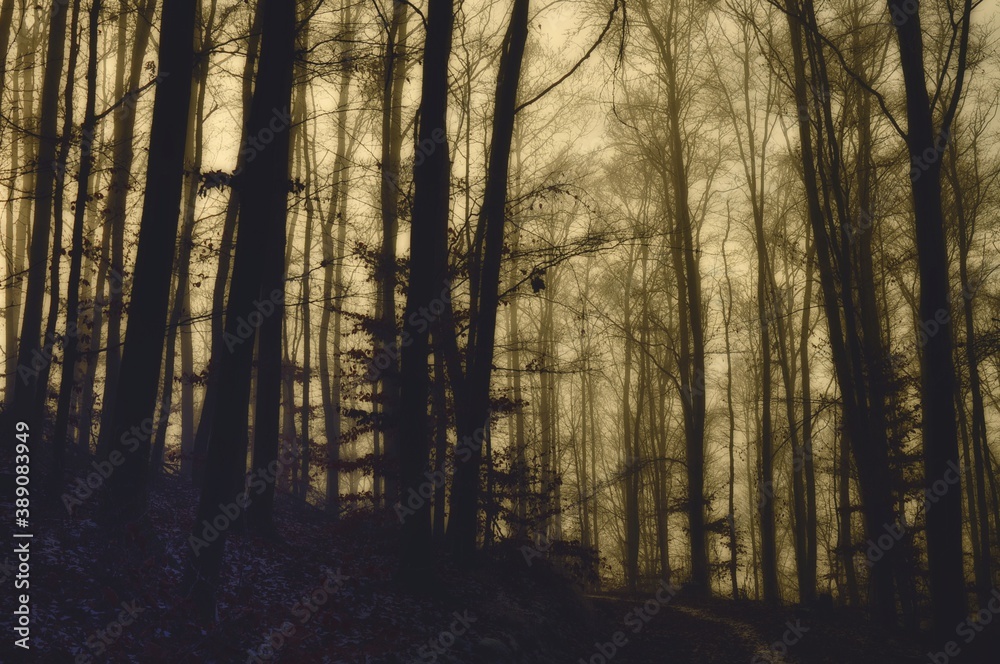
<point x="428" y="259"/>
<point x="333" y="287"/>
<point x="200" y="447"/>
<point x="940" y="437"/>
<point x="258" y="281"/>
<point x="727" y="314"/>
<point x="52" y="318"/>
<point x="133" y="409"/>
<point x="394" y="79"/>
<point x="182" y="264"/>
<point x="866" y="433"/>
<point x="472" y="395"/>
<point x="71" y="343"/>
<point x="984" y="571"/>
<point x="30" y="357"/>
<point x="26" y="47"/>
<point x="115" y="212"/>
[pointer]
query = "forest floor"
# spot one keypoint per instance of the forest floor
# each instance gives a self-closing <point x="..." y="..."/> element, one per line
<point x="323" y="592"/>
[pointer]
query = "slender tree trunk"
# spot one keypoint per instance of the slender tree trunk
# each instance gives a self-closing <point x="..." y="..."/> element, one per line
<point x="984" y="571"/>
<point x="521" y="488"/>
<point x="62" y="157"/>
<point x="940" y="437"/>
<point x="630" y="467"/>
<point x="6" y="25"/>
<point x="845" y="544"/>
<point x="472" y="394"/>
<point x="333" y="287"/>
<point x="26" y="47"/>
<point x="182" y="263"/>
<point x="394" y="78"/>
<point x="30" y="357"/>
<point x="97" y="317"/>
<point x="765" y="492"/>
<point x="307" y="319"/>
<point x="133" y="409"/>
<point x="727" y="314"/>
<point x="258" y="281"/>
<point x="428" y="259"/>
<point x="439" y="404"/>
<point x="225" y="259"/>
<point x="71" y="344"/>
<point x="115" y="212"/>
<point x="812" y="550"/>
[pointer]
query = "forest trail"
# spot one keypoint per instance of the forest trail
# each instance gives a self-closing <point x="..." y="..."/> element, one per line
<point x="675" y="633"/>
<point x="720" y="631"/>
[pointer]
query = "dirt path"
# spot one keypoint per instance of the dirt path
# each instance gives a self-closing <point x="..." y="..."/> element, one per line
<point x="643" y="631"/>
<point x="648" y="631"/>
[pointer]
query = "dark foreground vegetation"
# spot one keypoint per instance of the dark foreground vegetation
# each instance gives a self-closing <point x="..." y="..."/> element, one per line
<point x="500" y="331"/>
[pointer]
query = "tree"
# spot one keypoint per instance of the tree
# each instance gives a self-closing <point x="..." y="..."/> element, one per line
<point x="131" y="421"/>
<point x="26" y="401"/>
<point x="472" y="390"/>
<point x="257" y="286"/>
<point x="428" y="247"/>
<point x="83" y="197"/>
<point x="115" y="211"/>
<point x="937" y="371"/>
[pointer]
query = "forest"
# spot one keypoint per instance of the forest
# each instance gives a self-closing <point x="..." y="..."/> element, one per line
<point x="479" y="332"/>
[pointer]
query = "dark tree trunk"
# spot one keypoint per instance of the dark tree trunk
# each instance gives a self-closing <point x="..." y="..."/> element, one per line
<point x="428" y="259"/>
<point x="863" y="426"/>
<point x="182" y="264"/>
<point x="258" y="281"/>
<point x="115" y="213"/>
<point x="394" y="78"/>
<point x="81" y="207"/>
<point x="200" y="448"/>
<point x="30" y="357"/>
<point x="472" y="406"/>
<point x="940" y="435"/>
<point x="132" y="420"/>
<point x="334" y="241"/>
<point x="6" y="23"/>
<point x="966" y="218"/>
